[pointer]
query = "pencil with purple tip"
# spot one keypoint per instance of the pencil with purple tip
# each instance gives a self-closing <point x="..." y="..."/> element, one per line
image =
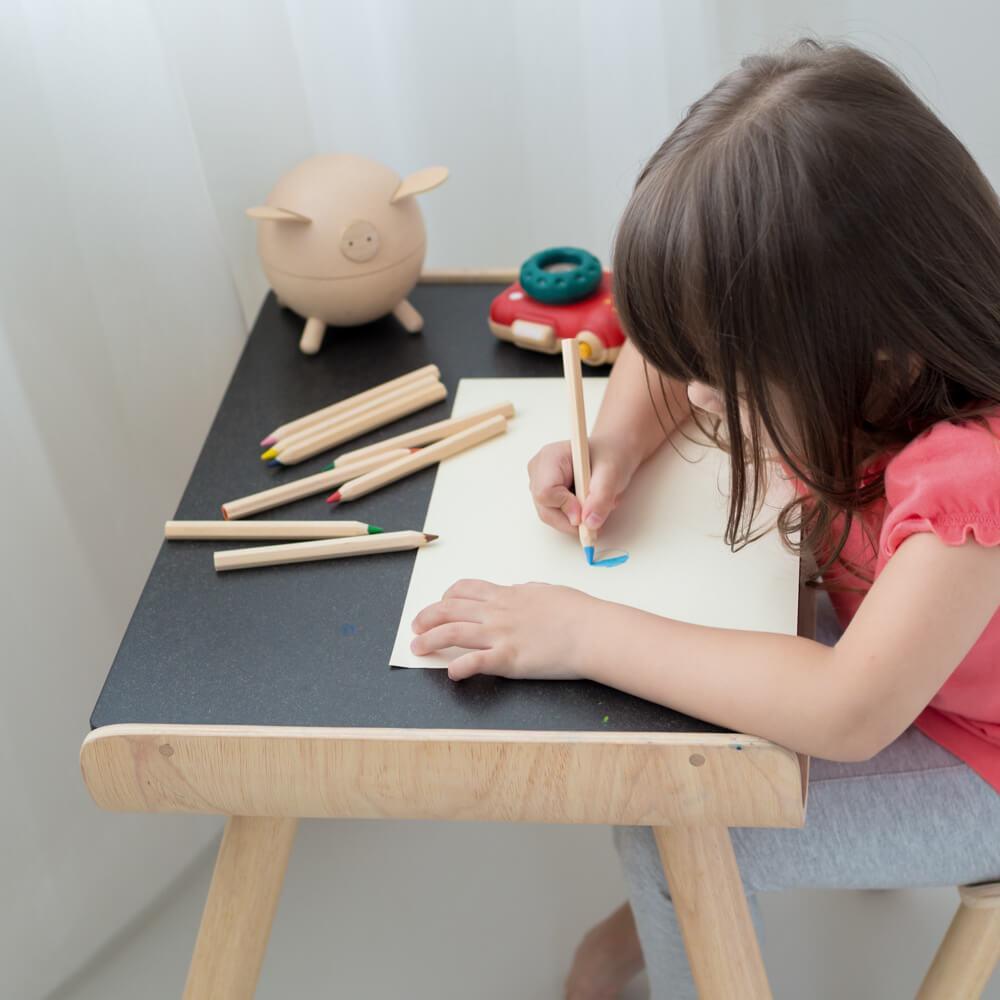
<point x="379" y="403"/>
<point x="343" y="405"/>
<point x="338" y="431"/>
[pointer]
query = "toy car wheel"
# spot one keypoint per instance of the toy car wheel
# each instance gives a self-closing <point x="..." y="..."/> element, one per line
<point x="592" y="351"/>
<point x="543" y="278"/>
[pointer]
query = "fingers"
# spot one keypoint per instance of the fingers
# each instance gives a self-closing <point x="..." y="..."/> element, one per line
<point x="472" y="590"/>
<point x="559" y="498"/>
<point x="603" y="496"/>
<point x="468" y="635"/>
<point x="451" y="609"/>
<point x="550" y="476"/>
<point x="479" y="661"/>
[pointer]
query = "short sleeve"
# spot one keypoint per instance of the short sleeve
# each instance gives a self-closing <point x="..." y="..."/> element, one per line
<point x="946" y="481"/>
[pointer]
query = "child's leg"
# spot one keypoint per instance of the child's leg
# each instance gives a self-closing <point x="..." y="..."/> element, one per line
<point x="913" y="815"/>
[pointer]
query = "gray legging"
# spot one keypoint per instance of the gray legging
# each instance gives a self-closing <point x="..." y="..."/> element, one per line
<point x="913" y="815"/>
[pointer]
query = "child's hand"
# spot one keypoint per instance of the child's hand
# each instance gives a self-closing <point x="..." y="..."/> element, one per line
<point x="527" y="631"/>
<point x="550" y="479"/>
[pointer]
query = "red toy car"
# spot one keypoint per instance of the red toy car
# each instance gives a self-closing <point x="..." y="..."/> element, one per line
<point x="539" y="326"/>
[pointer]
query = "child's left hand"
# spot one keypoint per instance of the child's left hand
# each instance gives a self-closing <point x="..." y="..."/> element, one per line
<point x="526" y="631"/>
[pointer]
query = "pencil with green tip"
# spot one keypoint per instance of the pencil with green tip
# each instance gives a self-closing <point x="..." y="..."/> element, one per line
<point x="579" y="443"/>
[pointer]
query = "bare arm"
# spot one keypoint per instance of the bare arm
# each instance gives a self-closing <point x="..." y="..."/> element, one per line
<point x="914" y="627"/>
<point x="627" y="420"/>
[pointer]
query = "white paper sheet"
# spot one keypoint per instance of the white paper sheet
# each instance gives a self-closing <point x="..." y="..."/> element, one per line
<point x="671" y="522"/>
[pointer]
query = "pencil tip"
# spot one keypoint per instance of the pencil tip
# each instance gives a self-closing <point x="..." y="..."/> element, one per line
<point x="412" y="450"/>
<point x="374" y="529"/>
<point x="225" y="513"/>
<point x="430" y="538"/>
<point x="274" y="463"/>
<point x="588" y="551"/>
<point x="270" y="439"/>
<point x="328" y="468"/>
<point x="334" y="497"/>
<point x="270" y="453"/>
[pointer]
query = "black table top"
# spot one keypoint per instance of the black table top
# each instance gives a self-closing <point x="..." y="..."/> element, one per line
<point x="309" y="644"/>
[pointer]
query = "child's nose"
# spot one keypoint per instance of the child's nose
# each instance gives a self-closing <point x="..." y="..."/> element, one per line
<point x="705" y="398"/>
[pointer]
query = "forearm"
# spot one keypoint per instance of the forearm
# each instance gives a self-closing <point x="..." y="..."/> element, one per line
<point x="627" y="418"/>
<point x="784" y="688"/>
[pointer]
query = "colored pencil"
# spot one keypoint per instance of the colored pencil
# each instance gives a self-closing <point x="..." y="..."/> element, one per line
<point x="266" y="530"/>
<point x="329" y="548"/>
<point x="401" y="467"/>
<point x="276" y="496"/>
<point x="431" y="371"/>
<point x="429" y="433"/>
<point x="369" y="406"/>
<point x="340" y="432"/>
<point x="579" y="443"/>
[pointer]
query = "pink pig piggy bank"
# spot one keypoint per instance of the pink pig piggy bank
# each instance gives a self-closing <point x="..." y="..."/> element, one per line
<point x="342" y="241"/>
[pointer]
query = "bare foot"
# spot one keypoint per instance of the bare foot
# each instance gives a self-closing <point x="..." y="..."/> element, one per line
<point x="607" y="958"/>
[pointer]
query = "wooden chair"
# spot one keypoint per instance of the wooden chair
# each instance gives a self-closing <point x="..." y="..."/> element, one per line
<point x="971" y="948"/>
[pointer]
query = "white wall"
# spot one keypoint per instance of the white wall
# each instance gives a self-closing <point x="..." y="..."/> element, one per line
<point x="135" y="131"/>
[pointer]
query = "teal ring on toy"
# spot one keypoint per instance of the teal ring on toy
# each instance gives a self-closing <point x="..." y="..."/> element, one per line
<point x="559" y="287"/>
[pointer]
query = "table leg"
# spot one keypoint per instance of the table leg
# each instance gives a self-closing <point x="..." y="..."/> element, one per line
<point x="712" y="911"/>
<point x="242" y="900"/>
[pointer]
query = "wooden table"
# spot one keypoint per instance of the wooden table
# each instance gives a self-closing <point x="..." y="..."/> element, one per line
<point x="266" y="696"/>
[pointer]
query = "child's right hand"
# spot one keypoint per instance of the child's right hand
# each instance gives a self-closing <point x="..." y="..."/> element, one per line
<point x="550" y="479"/>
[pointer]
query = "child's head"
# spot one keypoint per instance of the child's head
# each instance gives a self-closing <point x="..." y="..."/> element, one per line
<point x="812" y="243"/>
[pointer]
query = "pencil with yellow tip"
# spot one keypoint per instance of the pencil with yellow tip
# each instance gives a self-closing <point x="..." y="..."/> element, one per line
<point x="579" y="443"/>
<point x="327" y="548"/>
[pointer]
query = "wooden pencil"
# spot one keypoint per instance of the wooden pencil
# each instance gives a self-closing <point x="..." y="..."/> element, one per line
<point x="276" y="496"/>
<point x="369" y="406"/>
<point x="340" y="432"/>
<point x="444" y="448"/>
<point x="431" y="371"/>
<point x="330" y="548"/>
<point x="266" y="530"/>
<point x="429" y="433"/>
<point x="579" y="443"/>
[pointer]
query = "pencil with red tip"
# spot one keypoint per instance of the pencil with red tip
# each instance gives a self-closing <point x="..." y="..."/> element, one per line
<point x="401" y="467"/>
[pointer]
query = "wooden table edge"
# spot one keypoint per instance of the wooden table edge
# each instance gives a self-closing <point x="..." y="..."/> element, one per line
<point x="618" y="778"/>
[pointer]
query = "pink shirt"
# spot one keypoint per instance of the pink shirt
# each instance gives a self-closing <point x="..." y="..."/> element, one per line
<point x="947" y="481"/>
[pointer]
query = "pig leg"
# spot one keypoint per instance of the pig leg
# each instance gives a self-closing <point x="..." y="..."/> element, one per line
<point x="312" y="336"/>
<point x="408" y="317"/>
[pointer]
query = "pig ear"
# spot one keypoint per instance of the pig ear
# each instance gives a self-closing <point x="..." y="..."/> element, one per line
<point x="422" y="180"/>
<point x="277" y="214"/>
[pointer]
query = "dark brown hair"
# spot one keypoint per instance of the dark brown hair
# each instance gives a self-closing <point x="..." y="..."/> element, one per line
<point x="814" y="243"/>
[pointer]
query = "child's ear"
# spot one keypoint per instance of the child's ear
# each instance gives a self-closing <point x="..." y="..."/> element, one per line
<point x="260" y="212"/>
<point x="419" y="182"/>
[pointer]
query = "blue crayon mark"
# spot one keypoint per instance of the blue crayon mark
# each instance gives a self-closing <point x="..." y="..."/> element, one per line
<point x="611" y="560"/>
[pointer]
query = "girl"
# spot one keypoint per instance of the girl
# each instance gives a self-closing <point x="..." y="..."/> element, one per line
<point x="811" y="260"/>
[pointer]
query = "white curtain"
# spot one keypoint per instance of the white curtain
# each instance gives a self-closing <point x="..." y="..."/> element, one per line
<point x="134" y="134"/>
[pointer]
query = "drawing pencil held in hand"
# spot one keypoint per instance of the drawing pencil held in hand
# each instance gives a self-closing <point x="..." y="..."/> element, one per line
<point x="579" y="444"/>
